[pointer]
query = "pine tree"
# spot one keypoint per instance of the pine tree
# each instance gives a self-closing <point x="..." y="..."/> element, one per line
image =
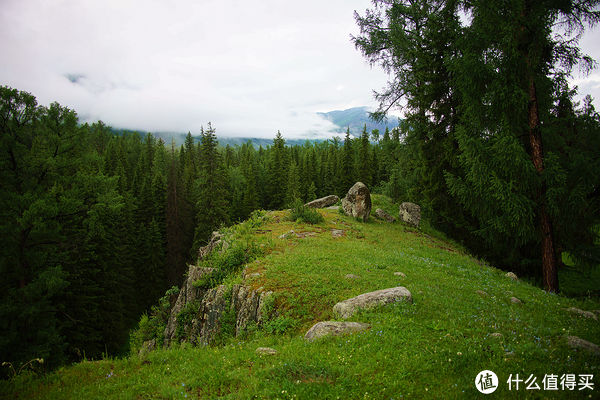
<point x="212" y="203"/>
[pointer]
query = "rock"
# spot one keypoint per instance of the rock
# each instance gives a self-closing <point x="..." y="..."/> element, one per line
<point x="336" y="233"/>
<point x="496" y="335"/>
<point x="216" y="240"/>
<point x="352" y="276"/>
<point x="384" y="215"/>
<point x="287" y="234"/>
<point x="401" y="274"/>
<point x="578" y="343"/>
<point x="357" y="202"/>
<point x="586" y="314"/>
<point x="323" y="202"/>
<point x="334" y="328"/>
<point x="333" y="207"/>
<point x="188" y="294"/>
<point x="266" y="351"/>
<point x="410" y="213"/>
<point x="482" y="293"/>
<point x="208" y="306"/>
<point x="147" y="347"/>
<point x="253" y="275"/>
<point x="514" y="300"/>
<point x="345" y="309"/>
<point x="512" y="276"/>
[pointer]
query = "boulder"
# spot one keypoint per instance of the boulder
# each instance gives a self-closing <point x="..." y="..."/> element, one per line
<point x="515" y="300"/>
<point x="579" y="343"/>
<point x="345" y="309"/>
<point x="410" y="213"/>
<point x="583" y="313"/>
<point x="357" y="202"/>
<point x="496" y="335"/>
<point x="336" y="233"/>
<point x="267" y="351"/>
<point x="400" y="274"/>
<point x="323" y="202"/>
<point x="381" y="214"/>
<point x="352" y="276"/>
<point x="334" y="328"/>
<point x="511" y="275"/>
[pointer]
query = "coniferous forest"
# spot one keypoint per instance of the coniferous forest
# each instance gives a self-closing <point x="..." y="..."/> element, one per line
<point x="96" y="226"/>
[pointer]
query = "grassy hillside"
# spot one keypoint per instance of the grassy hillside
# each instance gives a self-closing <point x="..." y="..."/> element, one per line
<point x="432" y="348"/>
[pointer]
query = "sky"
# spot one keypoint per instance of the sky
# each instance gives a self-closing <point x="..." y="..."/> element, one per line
<point x="250" y="68"/>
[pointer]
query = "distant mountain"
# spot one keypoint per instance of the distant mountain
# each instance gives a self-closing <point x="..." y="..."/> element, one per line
<point x="356" y="118"/>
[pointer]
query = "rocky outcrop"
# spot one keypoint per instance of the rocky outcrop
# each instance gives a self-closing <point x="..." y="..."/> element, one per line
<point x="410" y="213"/>
<point x="323" y="202"/>
<point x="198" y="321"/>
<point x="216" y="240"/>
<point x="357" y="202"/>
<point x="347" y="308"/>
<point x="334" y="328"/>
<point x="381" y="214"/>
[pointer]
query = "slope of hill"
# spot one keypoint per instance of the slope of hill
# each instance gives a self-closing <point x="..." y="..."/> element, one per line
<point x="356" y="118"/>
<point x="462" y="321"/>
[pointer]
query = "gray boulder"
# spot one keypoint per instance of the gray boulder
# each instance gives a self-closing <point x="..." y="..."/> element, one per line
<point x="381" y="214"/>
<point x="410" y="213"/>
<point x="511" y="275"/>
<point x="334" y="328"/>
<point x="267" y="351"/>
<point x="357" y="202"/>
<point x="583" y="313"/>
<point x="345" y="309"/>
<point x="579" y="343"/>
<point x="323" y="202"/>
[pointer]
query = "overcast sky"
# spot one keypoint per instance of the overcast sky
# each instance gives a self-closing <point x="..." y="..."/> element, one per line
<point x="249" y="67"/>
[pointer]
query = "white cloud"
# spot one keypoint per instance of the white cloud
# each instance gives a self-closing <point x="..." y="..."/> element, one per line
<point x="251" y="68"/>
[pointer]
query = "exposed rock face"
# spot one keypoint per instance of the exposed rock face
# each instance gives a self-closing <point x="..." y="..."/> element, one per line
<point x="208" y="306"/>
<point x="384" y="215"/>
<point x="410" y="213"/>
<point x="323" y="202"/>
<point x="357" y="202"/>
<point x="216" y="240"/>
<point x="579" y="343"/>
<point x="336" y="233"/>
<point x="345" y="309"/>
<point x="188" y="294"/>
<point x="334" y="328"/>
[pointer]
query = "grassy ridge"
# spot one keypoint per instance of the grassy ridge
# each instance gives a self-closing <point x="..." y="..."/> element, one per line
<point x="432" y="348"/>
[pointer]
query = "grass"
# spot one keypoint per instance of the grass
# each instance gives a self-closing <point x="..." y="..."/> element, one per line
<point x="432" y="348"/>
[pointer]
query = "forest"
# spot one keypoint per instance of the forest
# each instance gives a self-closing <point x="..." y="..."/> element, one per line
<point x="96" y="226"/>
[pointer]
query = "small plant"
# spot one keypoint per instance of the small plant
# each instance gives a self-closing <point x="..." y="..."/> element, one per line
<point x="29" y="364"/>
<point x="281" y="325"/>
<point x="185" y="318"/>
<point x="302" y="214"/>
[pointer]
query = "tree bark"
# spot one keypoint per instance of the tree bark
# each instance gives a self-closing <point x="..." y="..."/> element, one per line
<point x="549" y="264"/>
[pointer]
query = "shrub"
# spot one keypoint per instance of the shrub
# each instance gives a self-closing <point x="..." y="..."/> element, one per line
<point x="300" y="213"/>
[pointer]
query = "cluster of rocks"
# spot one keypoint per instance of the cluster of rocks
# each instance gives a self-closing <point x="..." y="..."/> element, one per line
<point x="345" y="309"/>
<point x="357" y="204"/>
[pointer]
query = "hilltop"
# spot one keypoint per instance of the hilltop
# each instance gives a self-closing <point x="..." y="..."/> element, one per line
<point x="461" y="321"/>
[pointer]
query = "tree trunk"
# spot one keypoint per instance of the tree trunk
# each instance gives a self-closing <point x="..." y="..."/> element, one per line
<point x="549" y="264"/>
